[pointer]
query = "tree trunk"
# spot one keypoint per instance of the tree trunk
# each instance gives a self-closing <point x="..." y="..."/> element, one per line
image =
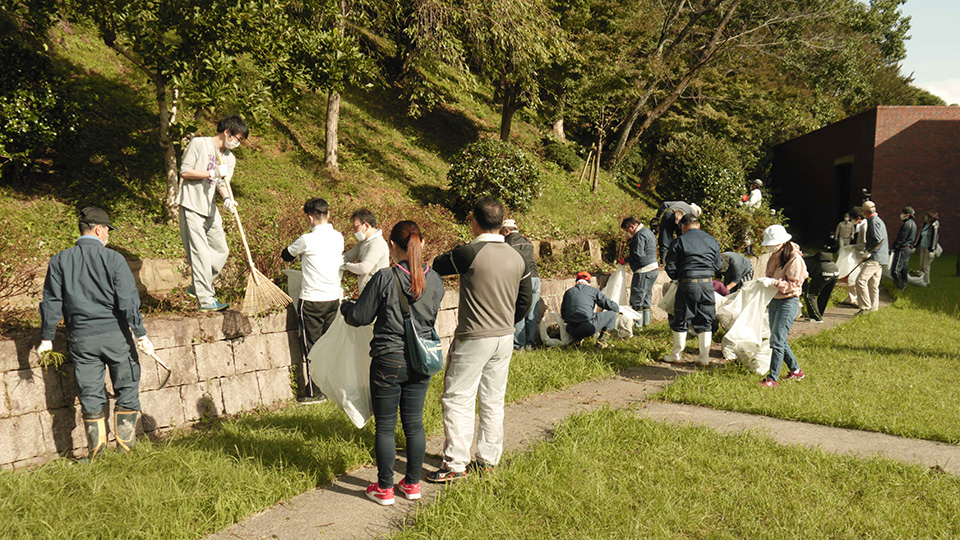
<point x="623" y="134"/>
<point x="170" y="172"/>
<point x="511" y="104"/>
<point x="558" y="130"/>
<point x="333" y="122"/>
<point x="596" y="171"/>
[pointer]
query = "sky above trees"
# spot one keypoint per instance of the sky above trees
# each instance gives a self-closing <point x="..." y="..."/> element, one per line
<point x="933" y="51"/>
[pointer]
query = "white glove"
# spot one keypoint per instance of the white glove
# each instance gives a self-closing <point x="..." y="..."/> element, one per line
<point x="766" y="281"/>
<point x="145" y="346"/>
<point x="229" y="204"/>
<point x="44" y="347"/>
<point x="221" y="171"/>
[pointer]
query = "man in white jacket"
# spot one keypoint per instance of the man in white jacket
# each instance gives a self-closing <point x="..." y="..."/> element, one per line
<point x="371" y="254"/>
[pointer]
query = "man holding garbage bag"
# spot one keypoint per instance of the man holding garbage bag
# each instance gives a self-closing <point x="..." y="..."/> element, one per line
<point x="642" y="259"/>
<point x="692" y="260"/>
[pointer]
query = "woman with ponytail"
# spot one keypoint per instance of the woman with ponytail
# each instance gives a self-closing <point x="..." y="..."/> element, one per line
<point x="394" y="384"/>
<point x="786" y="271"/>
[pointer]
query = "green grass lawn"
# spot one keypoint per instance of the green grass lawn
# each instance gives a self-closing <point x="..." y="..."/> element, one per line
<point x="190" y="485"/>
<point x="892" y="371"/>
<point x="611" y="475"/>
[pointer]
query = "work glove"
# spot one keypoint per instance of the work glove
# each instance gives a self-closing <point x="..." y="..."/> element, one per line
<point x="145" y="346"/>
<point x="44" y="347"/>
<point x="221" y="171"/>
<point x="767" y="281"/>
<point x="621" y="261"/>
<point x="229" y="204"/>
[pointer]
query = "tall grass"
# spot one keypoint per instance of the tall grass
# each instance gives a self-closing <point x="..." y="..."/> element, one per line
<point x="610" y="475"/>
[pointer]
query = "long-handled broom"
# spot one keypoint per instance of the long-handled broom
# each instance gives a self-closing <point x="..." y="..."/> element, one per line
<point x="261" y="294"/>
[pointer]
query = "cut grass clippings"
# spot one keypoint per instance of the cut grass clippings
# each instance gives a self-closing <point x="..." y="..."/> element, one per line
<point x="188" y="486"/>
<point x="889" y="371"/>
<point x="611" y="475"/>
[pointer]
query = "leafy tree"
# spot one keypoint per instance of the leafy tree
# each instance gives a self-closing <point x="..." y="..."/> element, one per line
<point x="33" y="115"/>
<point x="495" y="168"/>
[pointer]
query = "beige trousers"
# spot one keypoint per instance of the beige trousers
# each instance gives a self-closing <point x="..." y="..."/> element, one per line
<point x="868" y="286"/>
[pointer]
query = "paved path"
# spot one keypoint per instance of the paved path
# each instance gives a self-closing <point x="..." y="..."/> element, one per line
<point x="341" y="511"/>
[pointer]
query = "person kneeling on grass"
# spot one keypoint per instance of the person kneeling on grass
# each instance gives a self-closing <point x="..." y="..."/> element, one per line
<point x="787" y="271"/>
<point x="393" y="381"/>
<point x="578" y="313"/>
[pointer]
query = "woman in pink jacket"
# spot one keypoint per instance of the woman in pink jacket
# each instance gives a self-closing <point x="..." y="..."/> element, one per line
<point x="787" y="271"/>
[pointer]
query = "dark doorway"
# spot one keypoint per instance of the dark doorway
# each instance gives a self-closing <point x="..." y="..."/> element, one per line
<point x="844" y="185"/>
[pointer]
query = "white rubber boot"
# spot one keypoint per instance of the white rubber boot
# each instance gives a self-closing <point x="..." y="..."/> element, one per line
<point x="676" y="355"/>
<point x="705" y="340"/>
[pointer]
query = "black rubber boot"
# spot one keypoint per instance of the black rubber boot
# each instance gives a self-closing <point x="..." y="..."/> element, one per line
<point x="125" y="421"/>
<point x="96" y="428"/>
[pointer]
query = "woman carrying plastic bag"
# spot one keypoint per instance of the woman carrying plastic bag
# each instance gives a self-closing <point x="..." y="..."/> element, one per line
<point x="394" y="382"/>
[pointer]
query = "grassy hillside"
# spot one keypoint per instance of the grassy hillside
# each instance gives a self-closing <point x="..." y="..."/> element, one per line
<point x="390" y="163"/>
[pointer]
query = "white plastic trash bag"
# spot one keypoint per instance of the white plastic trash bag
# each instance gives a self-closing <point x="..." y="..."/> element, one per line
<point x="847" y="259"/>
<point x="625" y="321"/>
<point x="669" y="296"/>
<point x="747" y="337"/>
<point x="549" y="319"/>
<point x="617" y="288"/>
<point x="340" y="367"/>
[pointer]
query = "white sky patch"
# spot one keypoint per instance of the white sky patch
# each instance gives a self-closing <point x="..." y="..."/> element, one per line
<point x="948" y="89"/>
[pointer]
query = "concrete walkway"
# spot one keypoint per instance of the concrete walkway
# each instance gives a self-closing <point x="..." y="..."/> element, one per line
<point x="341" y="511"/>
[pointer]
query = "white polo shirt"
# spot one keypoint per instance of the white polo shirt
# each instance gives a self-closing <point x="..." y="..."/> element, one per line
<point x="321" y="254"/>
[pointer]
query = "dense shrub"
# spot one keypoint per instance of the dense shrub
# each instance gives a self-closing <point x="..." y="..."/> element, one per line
<point x="495" y="168"/>
<point x="703" y="169"/>
<point x="561" y="153"/>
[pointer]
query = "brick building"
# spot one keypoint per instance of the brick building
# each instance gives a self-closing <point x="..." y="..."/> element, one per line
<point x="902" y="156"/>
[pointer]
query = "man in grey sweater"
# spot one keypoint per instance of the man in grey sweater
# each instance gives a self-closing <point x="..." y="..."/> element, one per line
<point x="877" y="255"/>
<point x="495" y="293"/>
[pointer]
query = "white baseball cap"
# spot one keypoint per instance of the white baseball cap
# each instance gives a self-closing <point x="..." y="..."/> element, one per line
<point x="510" y="224"/>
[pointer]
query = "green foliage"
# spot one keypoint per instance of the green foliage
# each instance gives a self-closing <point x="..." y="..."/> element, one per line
<point x="495" y="168"/>
<point x="701" y="168"/>
<point x="561" y="153"/>
<point x="33" y="114"/>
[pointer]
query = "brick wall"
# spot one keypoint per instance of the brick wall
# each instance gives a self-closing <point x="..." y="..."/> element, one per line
<point x="918" y="164"/>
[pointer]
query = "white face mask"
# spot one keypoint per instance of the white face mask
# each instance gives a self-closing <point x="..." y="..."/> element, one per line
<point x="231" y="144"/>
<point x="360" y="236"/>
<point x="846" y="218"/>
<point x="903" y="217"/>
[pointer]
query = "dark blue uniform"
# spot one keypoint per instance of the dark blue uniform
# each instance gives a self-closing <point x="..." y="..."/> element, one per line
<point x="817" y="290"/>
<point x="668" y="226"/>
<point x="643" y="252"/>
<point x="692" y="260"/>
<point x="92" y="288"/>
<point x="577" y="311"/>
<point x="739" y="269"/>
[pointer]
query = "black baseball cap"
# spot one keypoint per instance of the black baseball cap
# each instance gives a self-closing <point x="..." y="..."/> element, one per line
<point x="95" y="216"/>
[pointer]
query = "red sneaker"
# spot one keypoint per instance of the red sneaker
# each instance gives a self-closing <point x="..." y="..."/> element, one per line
<point x="768" y="382"/>
<point x="410" y="491"/>
<point x="798" y="374"/>
<point x="378" y="495"/>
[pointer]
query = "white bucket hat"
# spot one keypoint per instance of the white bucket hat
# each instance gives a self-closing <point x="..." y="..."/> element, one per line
<point x="775" y="235"/>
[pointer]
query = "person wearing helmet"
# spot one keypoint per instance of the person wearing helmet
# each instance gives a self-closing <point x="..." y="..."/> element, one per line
<point x="578" y="311"/>
<point x="903" y="247"/>
<point x="692" y="260"/>
<point x="786" y="271"/>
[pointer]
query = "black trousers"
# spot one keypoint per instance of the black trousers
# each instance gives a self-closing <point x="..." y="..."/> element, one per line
<point x="315" y="320"/>
<point x="694" y="306"/>
<point x="816" y="294"/>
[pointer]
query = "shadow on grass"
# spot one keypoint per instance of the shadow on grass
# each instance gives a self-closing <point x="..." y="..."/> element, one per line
<point x="111" y="159"/>
<point x="310" y="443"/>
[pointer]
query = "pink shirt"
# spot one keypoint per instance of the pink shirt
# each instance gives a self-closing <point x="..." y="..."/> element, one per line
<point x="788" y="278"/>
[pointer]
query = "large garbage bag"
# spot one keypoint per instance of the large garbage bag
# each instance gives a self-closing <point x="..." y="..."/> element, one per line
<point x="617" y="288"/>
<point x="668" y="298"/>
<point x="625" y="321"/>
<point x="294" y="284"/>
<point x="340" y="367"/>
<point x="847" y="259"/>
<point x="553" y="331"/>
<point x="744" y="316"/>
